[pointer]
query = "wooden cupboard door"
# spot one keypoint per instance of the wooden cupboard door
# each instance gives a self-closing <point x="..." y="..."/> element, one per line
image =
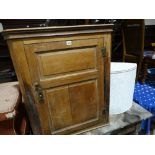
<point x="72" y="83"/>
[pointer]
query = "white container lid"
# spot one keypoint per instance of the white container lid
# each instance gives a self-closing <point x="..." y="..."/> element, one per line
<point x="122" y="67"/>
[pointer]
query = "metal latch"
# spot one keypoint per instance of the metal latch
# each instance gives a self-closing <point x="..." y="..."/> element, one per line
<point x="103" y="50"/>
<point x="39" y="92"/>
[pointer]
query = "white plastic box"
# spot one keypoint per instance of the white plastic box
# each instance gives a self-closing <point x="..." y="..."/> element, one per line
<point x="122" y="82"/>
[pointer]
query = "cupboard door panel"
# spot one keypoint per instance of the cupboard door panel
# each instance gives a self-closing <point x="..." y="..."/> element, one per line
<point x="84" y="101"/>
<point x="59" y="107"/>
<point x="67" y="61"/>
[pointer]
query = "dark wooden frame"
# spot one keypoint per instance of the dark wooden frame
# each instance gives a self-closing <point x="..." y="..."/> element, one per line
<point x="136" y="56"/>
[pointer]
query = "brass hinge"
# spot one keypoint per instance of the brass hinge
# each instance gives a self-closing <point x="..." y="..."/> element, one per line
<point x="39" y="92"/>
<point x="103" y="50"/>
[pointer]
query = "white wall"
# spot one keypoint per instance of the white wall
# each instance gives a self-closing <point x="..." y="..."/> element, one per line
<point x="149" y="21"/>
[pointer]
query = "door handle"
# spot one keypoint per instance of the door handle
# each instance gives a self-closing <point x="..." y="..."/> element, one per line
<point x="39" y="92"/>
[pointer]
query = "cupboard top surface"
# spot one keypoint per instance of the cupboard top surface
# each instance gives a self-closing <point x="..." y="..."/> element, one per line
<point x="56" y="31"/>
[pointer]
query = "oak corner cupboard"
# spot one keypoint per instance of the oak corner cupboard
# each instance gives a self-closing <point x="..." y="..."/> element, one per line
<point x="64" y="75"/>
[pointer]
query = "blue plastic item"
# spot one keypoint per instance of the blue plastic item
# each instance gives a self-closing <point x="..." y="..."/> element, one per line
<point x="144" y="95"/>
